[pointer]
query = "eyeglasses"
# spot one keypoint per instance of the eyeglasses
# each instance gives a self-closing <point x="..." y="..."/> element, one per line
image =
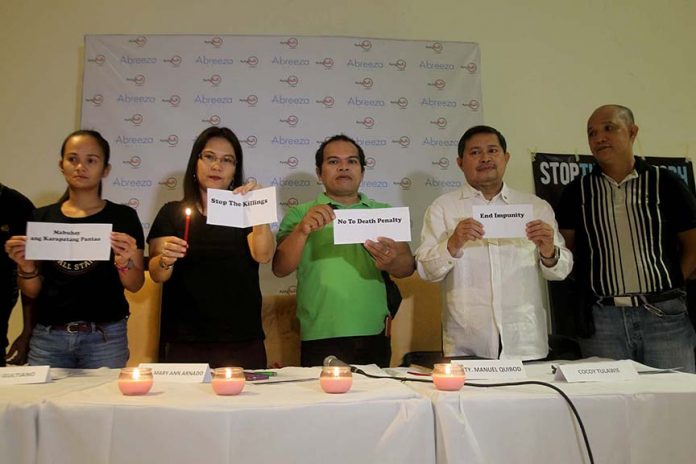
<point x="209" y="159"/>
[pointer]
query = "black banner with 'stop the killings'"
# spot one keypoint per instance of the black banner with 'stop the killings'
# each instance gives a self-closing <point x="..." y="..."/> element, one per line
<point x="552" y="172"/>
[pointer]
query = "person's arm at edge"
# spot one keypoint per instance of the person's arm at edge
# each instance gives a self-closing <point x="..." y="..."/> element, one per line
<point x="261" y="243"/>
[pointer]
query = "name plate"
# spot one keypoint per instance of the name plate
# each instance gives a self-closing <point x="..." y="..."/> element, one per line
<point x="179" y="372"/>
<point x="610" y="371"/>
<point x="503" y="221"/>
<point x="359" y="225"/>
<point x="492" y="369"/>
<point x="24" y="374"/>
<point x="68" y="242"/>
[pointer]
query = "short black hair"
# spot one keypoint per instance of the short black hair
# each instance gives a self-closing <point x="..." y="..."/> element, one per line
<point x="480" y="130"/>
<point x="192" y="193"/>
<point x="319" y="156"/>
<point x="624" y="113"/>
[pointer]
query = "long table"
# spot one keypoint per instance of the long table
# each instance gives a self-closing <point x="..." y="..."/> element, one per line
<point x="91" y="422"/>
<point x="648" y="420"/>
<point x="81" y="417"/>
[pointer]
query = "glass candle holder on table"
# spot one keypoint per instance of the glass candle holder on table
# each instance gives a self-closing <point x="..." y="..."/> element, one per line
<point x="135" y="380"/>
<point x="448" y="377"/>
<point x="228" y="380"/>
<point x="336" y="379"/>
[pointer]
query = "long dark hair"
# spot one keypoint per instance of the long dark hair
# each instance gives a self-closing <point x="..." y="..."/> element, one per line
<point x="103" y="144"/>
<point x="192" y="192"/>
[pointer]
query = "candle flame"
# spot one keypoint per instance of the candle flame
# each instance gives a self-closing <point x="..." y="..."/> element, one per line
<point x="336" y="371"/>
<point x="188" y="211"/>
<point x="136" y="373"/>
<point x="448" y="369"/>
<point x="228" y="373"/>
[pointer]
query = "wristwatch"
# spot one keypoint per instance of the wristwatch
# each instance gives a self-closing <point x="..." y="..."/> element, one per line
<point x="554" y="257"/>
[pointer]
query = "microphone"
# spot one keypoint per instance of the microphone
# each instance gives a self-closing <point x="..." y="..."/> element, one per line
<point x="332" y="360"/>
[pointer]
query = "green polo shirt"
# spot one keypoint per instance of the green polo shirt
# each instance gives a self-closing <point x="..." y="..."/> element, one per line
<point x="340" y="291"/>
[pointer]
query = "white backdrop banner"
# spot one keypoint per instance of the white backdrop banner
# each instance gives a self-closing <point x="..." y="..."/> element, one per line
<point x="405" y="102"/>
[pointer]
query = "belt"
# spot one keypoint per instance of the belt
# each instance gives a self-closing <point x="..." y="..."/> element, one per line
<point x="638" y="300"/>
<point x="74" y="327"/>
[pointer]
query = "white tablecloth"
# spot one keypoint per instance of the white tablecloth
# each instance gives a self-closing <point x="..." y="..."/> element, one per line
<point x="649" y="420"/>
<point x="379" y="421"/>
<point x="19" y="410"/>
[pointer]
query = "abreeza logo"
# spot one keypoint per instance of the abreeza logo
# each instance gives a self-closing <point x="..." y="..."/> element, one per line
<point x="135" y="161"/>
<point x="399" y="64"/>
<point x="172" y="140"/>
<point x="366" y="122"/>
<point x="214" y="41"/>
<point x="251" y="141"/>
<point x="473" y="105"/>
<point x="366" y="45"/>
<point x="327" y="63"/>
<point x="291" y="80"/>
<point x="136" y="119"/>
<point x="291" y="43"/>
<point x="441" y="123"/>
<point x="442" y="162"/>
<point x="213" y="120"/>
<point x="436" y="47"/>
<point x="250" y="100"/>
<point x="291" y="120"/>
<point x="252" y="61"/>
<point x="174" y="100"/>
<point x="401" y="102"/>
<point x="170" y="183"/>
<point x="96" y="100"/>
<point x="99" y="60"/>
<point x="404" y="141"/>
<point x="327" y="101"/>
<point x="292" y="162"/>
<point x="175" y="61"/>
<point x="439" y="84"/>
<point x="139" y="41"/>
<point x="214" y="80"/>
<point x="366" y="83"/>
<point x="138" y="80"/>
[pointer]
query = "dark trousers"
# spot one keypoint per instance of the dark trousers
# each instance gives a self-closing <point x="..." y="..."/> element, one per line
<point x="248" y="354"/>
<point x="370" y="349"/>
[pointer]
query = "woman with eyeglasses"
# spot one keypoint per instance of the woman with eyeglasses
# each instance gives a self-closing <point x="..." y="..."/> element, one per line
<point x="80" y="310"/>
<point x="211" y="302"/>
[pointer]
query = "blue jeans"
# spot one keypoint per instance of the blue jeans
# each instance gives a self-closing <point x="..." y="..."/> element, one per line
<point x="107" y="347"/>
<point x="661" y="336"/>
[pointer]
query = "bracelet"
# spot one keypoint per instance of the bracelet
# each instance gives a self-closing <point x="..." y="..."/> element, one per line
<point x="126" y="267"/>
<point x="165" y="266"/>
<point x="27" y="275"/>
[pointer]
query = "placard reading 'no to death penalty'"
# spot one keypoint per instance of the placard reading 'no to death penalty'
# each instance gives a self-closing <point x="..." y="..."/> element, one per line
<point x="503" y="221"/>
<point x="68" y="242"/>
<point x="358" y="225"/>
<point x="230" y="209"/>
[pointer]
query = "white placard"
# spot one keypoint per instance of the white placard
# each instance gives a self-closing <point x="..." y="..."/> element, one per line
<point x="229" y="209"/>
<point x="56" y="241"/>
<point x="24" y="374"/>
<point x="358" y="225"/>
<point x="503" y="221"/>
<point x="494" y="369"/>
<point x="179" y="372"/>
<point x="610" y="371"/>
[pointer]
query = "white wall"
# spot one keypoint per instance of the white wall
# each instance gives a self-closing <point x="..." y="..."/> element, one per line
<point x="546" y="64"/>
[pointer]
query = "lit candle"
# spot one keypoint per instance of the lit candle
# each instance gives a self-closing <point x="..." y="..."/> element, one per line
<point x="188" y="223"/>
<point x="135" y="381"/>
<point x="336" y="379"/>
<point x="228" y="380"/>
<point x="448" y="377"/>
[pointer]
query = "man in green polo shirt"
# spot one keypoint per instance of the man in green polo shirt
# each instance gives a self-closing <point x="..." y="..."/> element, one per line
<point x="341" y="297"/>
